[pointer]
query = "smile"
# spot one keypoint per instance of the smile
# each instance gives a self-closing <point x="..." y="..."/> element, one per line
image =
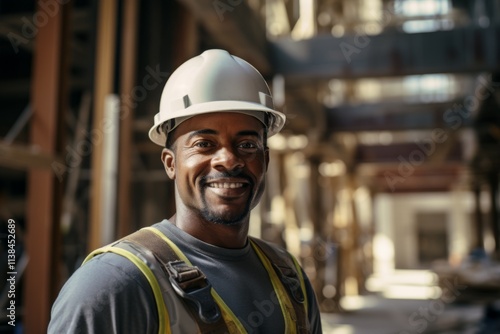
<point x="227" y="185"/>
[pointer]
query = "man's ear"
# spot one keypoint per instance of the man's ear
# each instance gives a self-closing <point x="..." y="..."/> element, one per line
<point x="168" y="159"/>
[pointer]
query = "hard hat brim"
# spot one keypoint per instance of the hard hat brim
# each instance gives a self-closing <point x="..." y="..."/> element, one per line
<point x="276" y="121"/>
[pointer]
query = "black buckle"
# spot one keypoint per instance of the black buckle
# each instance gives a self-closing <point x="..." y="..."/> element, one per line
<point x="191" y="284"/>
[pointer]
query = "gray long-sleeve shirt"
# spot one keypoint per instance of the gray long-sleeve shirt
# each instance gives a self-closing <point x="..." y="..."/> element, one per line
<point x="110" y="295"/>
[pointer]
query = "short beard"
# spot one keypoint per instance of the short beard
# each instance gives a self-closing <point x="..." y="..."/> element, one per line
<point x="225" y="219"/>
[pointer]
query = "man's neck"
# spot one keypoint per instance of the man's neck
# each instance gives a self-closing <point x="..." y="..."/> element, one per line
<point x="226" y="236"/>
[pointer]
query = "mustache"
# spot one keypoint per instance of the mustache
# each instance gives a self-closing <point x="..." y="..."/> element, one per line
<point x="228" y="174"/>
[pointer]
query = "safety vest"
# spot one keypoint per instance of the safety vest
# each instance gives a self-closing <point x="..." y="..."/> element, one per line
<point x="185" y="299"/>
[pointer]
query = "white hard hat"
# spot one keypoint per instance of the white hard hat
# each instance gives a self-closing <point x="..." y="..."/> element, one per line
<point x="211" y="82"/>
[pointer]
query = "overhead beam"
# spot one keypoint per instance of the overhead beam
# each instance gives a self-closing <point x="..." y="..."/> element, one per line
<point x="416" y="154"/>
<point x="461" y="50"/>
<point x="396" y="178"/>
<point x="397" y="116"/>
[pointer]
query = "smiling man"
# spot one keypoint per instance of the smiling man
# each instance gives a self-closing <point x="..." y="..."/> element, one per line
<point x="218" y="162"/>
<point x="199" y="271"/>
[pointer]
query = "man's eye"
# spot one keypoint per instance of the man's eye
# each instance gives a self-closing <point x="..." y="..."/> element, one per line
<point x="248" y="145"/>
<point x="203" y="144"/>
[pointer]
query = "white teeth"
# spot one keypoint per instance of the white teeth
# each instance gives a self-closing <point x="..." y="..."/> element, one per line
<point x="226" y="185"/>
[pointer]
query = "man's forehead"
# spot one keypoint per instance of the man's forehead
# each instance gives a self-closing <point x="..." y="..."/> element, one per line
<point x="216" y="121"/>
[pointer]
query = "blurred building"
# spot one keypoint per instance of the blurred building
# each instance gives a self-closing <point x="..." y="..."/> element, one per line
<point x="387" y="169"/>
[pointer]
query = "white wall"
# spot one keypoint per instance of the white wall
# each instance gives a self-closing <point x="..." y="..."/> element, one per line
<point x="395" y="243"/>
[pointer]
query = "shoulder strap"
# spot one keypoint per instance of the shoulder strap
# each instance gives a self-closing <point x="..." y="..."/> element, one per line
<point x="163" y="316"/>
<point x="188" y="282"/>
<point x="291" y="277"/>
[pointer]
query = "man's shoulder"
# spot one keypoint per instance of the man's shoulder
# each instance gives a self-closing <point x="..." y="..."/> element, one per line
<point x="98" y="297"/>
<point x="105" y="271"/>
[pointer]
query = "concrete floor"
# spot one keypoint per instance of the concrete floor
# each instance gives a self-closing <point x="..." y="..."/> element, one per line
<point x="378" y="315"/>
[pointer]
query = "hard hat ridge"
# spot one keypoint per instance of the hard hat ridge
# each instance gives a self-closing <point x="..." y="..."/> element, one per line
<point x="211" y="82"/>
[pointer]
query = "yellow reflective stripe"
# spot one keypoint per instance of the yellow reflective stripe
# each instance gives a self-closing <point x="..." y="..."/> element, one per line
<point x="233" y="323"/>
<point x="94" y="253"/>
<point x="285" y="303"/>
<point x="164" y="321"/>
<point x="302" y="283"/>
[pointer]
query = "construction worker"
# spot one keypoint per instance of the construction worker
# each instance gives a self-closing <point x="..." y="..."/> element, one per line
<point x="199" y="271"/>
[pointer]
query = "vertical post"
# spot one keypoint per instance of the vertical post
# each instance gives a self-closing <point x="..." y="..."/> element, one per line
<point x="478" y="215"/>
<point x="495" y="224"/>
<point x="337" y="262"/>
<point x="317" y="218"/>
<point x="104" y="70"/>
<point x="186" y="41"/>
<point x="48" y="99"/>
<point x="355" y="230"/>
<point x="128" y="64"/>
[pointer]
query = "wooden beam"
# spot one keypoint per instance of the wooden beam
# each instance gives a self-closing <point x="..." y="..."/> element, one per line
<point x="48" y="99"/>
<point x="104" y="74"/>
<point x="20" y="88"/>
<point x="128" y="66"/>
<point x="25" y="157"/>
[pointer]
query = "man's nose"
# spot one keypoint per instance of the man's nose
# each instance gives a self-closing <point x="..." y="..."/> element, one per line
<point x="227" y="159"/>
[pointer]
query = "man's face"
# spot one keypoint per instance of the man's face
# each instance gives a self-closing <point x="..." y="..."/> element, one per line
<point x="218" y="162"/>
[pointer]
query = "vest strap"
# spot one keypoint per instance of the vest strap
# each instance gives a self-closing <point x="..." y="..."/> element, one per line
<point x="187" y="281"/>
<point x="195" y="290"/>
<point x="284" y="267"/>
